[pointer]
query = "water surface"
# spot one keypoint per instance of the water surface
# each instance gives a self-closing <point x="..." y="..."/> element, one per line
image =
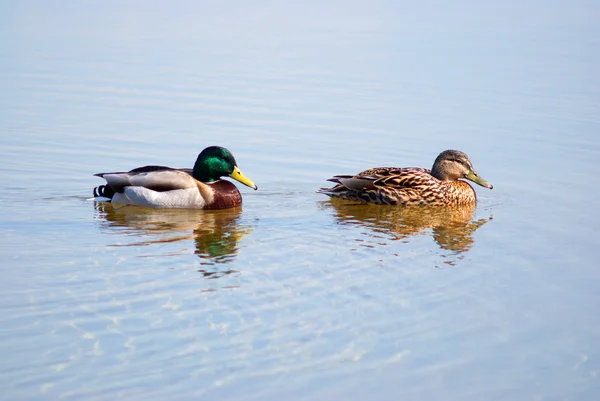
<point x="293" y="296"/>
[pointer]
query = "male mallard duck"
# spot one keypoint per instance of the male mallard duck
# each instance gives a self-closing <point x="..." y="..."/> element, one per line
<point x="412" y="186"/>
<point x="197" y="188"/>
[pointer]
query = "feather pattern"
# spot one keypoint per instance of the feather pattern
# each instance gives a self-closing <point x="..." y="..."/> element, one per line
<point x="411" y="185"/>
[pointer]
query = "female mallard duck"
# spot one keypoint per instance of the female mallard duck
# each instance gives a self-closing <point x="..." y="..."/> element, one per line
<point x="197" y="188"/>
<point x="412" y="186"/>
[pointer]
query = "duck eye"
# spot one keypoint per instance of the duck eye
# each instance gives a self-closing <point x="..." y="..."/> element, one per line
<point x="465" y="164"/>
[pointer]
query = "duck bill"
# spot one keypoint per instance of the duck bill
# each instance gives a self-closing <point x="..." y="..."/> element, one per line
<point x="472" y="176"/>
<point x="238" y="176"/>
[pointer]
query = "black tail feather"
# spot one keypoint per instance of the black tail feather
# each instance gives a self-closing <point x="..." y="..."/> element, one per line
<point x="104" y="191"/>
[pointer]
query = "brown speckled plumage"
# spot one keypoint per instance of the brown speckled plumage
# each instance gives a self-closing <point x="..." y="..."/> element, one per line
<point x="412" y="186"/>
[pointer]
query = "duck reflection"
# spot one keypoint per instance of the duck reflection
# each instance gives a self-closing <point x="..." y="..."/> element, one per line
<point x="452" y="228"/>
<point x="215" y="232"/>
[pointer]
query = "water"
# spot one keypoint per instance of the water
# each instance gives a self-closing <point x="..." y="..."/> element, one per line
<point x="293" y="296"/>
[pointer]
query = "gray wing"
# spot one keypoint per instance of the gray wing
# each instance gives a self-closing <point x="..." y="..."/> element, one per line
<point x="156" y="178"/>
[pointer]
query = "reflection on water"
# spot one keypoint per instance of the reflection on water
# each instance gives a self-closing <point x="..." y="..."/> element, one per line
<point x="451" y="227"/>
<point x="215" y="232"/>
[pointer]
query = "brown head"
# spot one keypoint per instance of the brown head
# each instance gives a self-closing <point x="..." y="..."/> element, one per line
<point x="451" y="165"/>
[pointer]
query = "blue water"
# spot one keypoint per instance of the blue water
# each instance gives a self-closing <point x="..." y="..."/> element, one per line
<point x="292" y="296"/>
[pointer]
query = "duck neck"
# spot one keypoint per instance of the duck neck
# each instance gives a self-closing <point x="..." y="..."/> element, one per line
<point x="203" y="173"/>
<point x="443" y="171"/>
<point x="210" y="169"/>
<point x="438" y="172"/>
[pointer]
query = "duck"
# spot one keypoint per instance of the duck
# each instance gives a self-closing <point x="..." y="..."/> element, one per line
<point x="166" y="187"/>
<point x="442" y="185"/>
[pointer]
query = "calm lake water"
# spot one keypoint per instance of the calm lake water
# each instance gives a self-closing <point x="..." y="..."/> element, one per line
<point x="292" y="296"/>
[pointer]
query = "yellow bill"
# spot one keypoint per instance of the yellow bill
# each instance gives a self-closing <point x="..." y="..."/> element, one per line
<point x="238" y="176"/>
<point x="472" y="176"/>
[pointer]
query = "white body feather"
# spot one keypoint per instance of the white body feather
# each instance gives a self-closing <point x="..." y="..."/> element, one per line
<point x="178" y="198"/>
<point x="138" y="190"/>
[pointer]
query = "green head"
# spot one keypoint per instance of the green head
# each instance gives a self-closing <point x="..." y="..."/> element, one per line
<point x="453" y="164"/>
<point x="215" y="162"/>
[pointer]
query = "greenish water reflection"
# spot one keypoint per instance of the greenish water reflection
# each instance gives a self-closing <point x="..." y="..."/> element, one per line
<point x="215" y="233"/>
<point x="452" y="228"/>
